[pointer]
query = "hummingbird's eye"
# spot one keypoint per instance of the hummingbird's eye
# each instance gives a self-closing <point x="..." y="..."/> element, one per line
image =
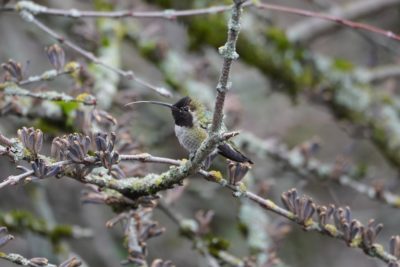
<point x="186" y="108"/>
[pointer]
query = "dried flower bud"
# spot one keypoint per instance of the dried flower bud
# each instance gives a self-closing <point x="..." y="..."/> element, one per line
<point x="58" y="148"/>
<point x="370" y="232"/>
<point x="31" y="139"/>
<point x="41" y="170"/>
<point x="56" y="56"/>
<point x="14" y="69"/>
<point x="303" y="207"/>
<point x="78" y="147"/>
<point x="395" y="246"/>
<point x="105" y="146"/>
<point x="237" y="171"/>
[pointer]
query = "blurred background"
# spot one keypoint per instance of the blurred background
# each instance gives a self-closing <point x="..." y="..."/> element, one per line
<point x="285" y="87"/>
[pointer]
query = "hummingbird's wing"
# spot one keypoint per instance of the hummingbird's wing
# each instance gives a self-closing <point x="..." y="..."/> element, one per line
<point x="205" y="120"/>
<point x="229" y="151"/>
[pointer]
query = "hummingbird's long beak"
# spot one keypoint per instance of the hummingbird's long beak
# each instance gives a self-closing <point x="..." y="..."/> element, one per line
<point x="151" y="102"/>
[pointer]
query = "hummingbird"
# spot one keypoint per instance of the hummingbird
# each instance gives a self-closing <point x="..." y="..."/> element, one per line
<point x="192" y="124"/>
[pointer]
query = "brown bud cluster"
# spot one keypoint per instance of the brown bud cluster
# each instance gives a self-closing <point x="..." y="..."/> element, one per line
<point x="14" y="69"/>
<point x="105" y="150"/>
<point x="74" y="147"/>
<point x="41" y="170"/>
<point x="303" y="207"/>
<point x="56" y="56"/>
<point x="237" y="171"/>
<point x="31" y="139"/>
<point x="337" y="222"/>
<point x="394" y="249"/>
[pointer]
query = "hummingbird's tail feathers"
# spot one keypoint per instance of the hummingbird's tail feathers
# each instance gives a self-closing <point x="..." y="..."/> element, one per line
<point x="233" y="154"/>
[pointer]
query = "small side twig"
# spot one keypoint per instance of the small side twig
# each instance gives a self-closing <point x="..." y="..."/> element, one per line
<point x="21" y="260"/>
<point x="75" y="13"/>
<point x="145" y="157"/>
<point x="49" y="95"/>
<point x="14" y="179"/>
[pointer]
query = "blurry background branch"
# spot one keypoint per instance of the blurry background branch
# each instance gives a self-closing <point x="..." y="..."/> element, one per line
<point x="312" y="28"/>
<point x="300" y="160"/>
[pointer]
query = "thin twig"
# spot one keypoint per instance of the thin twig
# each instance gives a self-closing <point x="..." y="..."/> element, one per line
<point x="29" y="17"/>
<point x="335" y="19"/>
<point x="14" y="179"/>
<point x="46" y="76"/>
<point x="5" y="141"/>
<point x="21" y="260"/>
<point x="145" y="157"/>
<point x="14" y="90"/>
<point x="75" y="13"/>
<point x="313" y="27"/>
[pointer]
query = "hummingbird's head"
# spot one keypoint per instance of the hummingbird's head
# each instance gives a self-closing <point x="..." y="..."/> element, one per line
<point x="182" y="111"/>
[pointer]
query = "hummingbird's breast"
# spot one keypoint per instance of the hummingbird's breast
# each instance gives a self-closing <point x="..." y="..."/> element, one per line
<point x="190" y="137"/>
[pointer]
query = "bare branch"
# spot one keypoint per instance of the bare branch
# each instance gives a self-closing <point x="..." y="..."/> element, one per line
<point x="21" y="260"/>
<point x="311" y="28"/>
<point x="335" y="19"/>
<point x="14" y="179"/>
<point x="14" y="90"/>
<point x="75" y="13"/>
<point x="308" y="167"/>
<point x="145" y="157"/>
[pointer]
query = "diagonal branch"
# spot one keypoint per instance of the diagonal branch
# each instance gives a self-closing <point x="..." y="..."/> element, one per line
<point x="30" y="18"/>
<point x="309" y="29"/>
<point x="332" y="18"/>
